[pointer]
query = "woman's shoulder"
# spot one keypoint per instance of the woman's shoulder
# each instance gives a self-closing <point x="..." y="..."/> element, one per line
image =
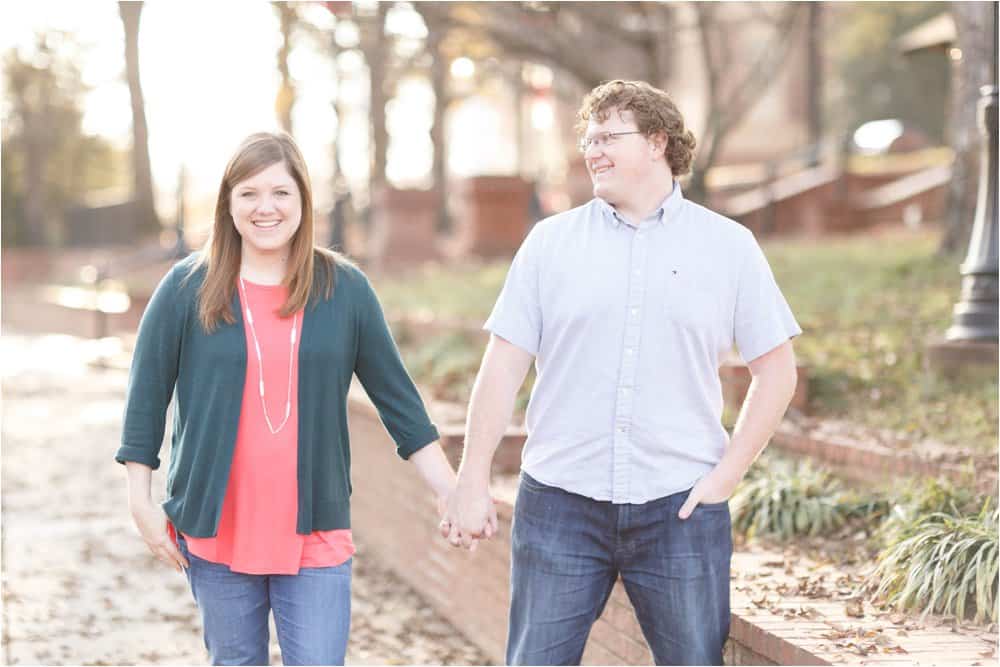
<point x="188" y="272"/>
<point x="345" y="270"/>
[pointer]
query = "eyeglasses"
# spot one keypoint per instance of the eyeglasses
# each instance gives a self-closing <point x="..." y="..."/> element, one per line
<point x="601" y="139"/>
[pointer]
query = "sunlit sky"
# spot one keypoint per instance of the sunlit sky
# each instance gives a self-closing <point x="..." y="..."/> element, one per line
<point x="209" y="78"/>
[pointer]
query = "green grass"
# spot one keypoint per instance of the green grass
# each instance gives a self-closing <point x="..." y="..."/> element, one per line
<point x="447" y="365"/>
<point x="465" y="291"/>
<point x="867" y="305"/>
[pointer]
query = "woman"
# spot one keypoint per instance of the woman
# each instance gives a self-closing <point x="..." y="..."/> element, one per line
<point x="259" y="335"/>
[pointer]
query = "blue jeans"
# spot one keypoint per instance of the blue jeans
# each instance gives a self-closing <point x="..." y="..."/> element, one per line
<point x="568" y="551"/>
<point x="312" y="612"/>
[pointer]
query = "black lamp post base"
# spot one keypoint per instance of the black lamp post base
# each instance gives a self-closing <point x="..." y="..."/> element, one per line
<point x="962" y="358"/>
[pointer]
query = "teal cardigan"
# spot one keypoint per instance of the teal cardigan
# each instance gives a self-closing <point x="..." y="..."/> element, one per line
<point x="205" y="374"/>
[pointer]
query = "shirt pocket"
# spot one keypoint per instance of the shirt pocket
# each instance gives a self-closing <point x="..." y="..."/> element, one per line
<point x="691" y="307"/>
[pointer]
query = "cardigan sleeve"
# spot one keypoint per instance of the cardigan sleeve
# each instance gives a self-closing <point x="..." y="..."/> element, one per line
<point x="153" y="374"/>
<point x="384" y="377"/>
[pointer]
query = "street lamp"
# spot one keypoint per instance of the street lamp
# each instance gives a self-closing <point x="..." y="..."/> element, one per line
<point x="976" y="314"/>
<point x="971" y="341"/>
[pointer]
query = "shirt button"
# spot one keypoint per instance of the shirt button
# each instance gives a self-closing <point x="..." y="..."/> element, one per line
<point x="628" y="351"/>
<point x="625" y="391"/>
<point x="622" y="429"/>
<point x="635" y="311"/>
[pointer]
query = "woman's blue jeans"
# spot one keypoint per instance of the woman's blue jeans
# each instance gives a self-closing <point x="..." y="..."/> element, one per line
<point x="312" y="612"/>
<point x="568" y="551"/>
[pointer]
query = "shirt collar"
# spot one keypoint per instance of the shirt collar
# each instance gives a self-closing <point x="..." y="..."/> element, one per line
<point x="666" y="211"/>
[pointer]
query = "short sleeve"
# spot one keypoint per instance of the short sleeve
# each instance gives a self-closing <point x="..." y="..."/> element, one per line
<point x="763" y="318"/>
<point x="517" y="314"/>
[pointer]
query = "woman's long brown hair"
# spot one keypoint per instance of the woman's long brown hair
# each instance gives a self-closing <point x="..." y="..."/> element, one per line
<point x="222" y="253"/>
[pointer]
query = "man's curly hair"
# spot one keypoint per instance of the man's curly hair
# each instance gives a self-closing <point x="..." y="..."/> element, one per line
<point x="653" y="110"/>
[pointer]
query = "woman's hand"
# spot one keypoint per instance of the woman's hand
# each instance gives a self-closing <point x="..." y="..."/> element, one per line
<point x="151" y="521"/>
<point x="470" y="515"/>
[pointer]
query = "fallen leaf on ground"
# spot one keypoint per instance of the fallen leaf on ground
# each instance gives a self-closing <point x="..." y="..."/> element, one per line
<point x="854" y="608"/>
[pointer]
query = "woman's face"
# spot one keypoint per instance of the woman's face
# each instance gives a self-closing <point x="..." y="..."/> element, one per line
<point x="267" y="210"/>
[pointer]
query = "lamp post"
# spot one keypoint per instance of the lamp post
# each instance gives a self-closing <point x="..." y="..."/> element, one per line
<point x="971" y="341"/>
<point x="976" y="314"/>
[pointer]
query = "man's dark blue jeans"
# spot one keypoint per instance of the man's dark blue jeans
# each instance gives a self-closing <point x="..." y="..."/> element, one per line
<point x="568" y="551"/>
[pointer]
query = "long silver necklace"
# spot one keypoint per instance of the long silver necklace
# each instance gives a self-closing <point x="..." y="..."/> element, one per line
<point x="260" y="362"/>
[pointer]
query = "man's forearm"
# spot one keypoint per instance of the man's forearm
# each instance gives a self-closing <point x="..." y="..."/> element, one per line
<point x="767" y="400"/>
<point x="490" y="407"/>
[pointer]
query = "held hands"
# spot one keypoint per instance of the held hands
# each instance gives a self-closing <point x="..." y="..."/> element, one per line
<point x="468" y="515"/>
<point x="715" y="487"/>
<point x="151" y="521"/>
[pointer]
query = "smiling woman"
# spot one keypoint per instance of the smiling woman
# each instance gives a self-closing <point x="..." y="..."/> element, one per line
<point x="258" y="497"/>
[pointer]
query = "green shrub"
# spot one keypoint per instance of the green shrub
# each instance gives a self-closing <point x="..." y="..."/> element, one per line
<point x="916" y="503"/>
<point x="942" y="563"/>
<point x="784" y="499"/>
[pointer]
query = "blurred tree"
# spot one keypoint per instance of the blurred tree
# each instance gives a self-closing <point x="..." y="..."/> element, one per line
<point x="48" y="162"/>
<point x="814" y="45"/>
<point x="973" y="58"/>
<point x="629" y="36"/>
<point x="634" y="40"/>
<point x="131" y="14"/>
<point x="737" y="75"/>
<point x="375" y="46"/>
<point x="287" y="18"/>
<point x="437" y="28"/>
<point x="871" y="80"/>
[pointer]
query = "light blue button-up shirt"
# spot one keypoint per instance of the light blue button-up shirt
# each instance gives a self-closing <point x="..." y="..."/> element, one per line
<point x="628" y="324"/>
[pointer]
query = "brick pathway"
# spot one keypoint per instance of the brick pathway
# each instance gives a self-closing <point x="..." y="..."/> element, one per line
<point x="803" y="612"/>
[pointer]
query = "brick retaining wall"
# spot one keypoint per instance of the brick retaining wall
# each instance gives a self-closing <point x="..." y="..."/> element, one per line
<point x="393" y="512"/>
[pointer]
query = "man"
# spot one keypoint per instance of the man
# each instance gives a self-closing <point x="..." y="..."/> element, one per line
<point x="626" y="304"/>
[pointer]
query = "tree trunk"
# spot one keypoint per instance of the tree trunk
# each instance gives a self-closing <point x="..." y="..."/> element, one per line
<point x="439" y="83"/>
<point x="728" y="102"/>
<point x="375" y="53"/>
<point x="38" y="229"/>
<point x="142" y="175"/>
<point x="286" y="93"/>
<point x="974" y="26"/>
<point x="814" y="93"/>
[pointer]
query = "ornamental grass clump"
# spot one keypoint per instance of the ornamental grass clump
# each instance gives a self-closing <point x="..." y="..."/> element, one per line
<point x="916" y="503"/>
<point x="942" y="563"/>
<point x="784" y="499"/>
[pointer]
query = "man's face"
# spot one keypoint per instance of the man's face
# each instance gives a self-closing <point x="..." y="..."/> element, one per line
<point x="616" y="164"/>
